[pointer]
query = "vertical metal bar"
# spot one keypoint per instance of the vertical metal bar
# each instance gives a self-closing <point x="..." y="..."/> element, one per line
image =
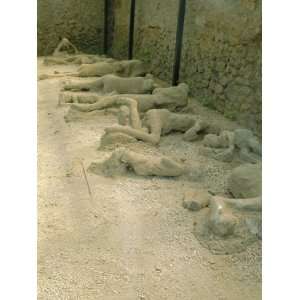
<point x="179" y="37"/>
<point x="131" y="29"/>
<point x="106" y="12"/>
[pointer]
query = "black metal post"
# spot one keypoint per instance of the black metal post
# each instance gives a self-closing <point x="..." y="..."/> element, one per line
<point x="179" y="37"/>
<point x="106" y="12"/>
<point x="131" y="30"/>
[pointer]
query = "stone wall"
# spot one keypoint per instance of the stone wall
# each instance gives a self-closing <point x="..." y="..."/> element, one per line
<point x="79" y="21"/>
<point x="119" y="32"/>
<point x="221" y="56"/>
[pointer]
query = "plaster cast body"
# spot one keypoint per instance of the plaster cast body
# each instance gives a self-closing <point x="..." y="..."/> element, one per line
<point x="65" y="47"/>
<point x="239" y="143"/>
<point x="123" y="160"/>
<point x="160" y="122"/>
<point x="171" y="98"/>
<point x="94" y="66"/>
<point x="112" y="83"/>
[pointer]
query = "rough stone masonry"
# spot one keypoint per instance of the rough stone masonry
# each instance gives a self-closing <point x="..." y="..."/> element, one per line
<point x="221" y="56"/>
<point x="79" y="21"/>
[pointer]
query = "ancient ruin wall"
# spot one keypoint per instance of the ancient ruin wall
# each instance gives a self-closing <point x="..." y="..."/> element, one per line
<point x="119" y="33"/>
<point x="79" y="21"/>
<point x="221" y="56"/>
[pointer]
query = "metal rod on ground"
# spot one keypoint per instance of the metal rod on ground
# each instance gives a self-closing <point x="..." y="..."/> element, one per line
<point x="179" y="37"/>
<point x="131" y="29"/>
<point x="94" y="210"/>
<point x="86" y="180"/>
<point x="106" y="12"/>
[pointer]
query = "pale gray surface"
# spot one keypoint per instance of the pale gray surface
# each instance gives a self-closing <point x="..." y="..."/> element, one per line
<point x="133" y="239"/>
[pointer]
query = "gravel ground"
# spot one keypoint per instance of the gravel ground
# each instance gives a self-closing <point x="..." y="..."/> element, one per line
<point x="131" y="238"/>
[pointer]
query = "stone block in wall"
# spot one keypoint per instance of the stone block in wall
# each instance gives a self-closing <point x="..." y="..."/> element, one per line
<point x="221" y="55"/>
<point x="79" y="21"/>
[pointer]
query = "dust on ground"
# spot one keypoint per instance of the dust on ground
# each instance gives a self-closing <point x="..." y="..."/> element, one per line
<point x="131" y="238"/>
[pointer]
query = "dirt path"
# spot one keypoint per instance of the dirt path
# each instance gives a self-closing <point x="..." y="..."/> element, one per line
<point x="132" y="239"/>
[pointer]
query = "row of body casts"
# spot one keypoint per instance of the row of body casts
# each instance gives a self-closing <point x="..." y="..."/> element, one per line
<point x="146" y="112"/>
